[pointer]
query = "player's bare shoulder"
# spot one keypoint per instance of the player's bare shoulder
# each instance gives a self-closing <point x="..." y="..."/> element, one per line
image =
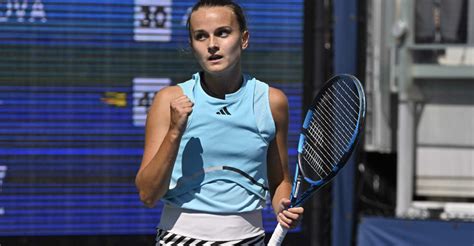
<point x="278" y="102"/>
<point x="164" y="96"/>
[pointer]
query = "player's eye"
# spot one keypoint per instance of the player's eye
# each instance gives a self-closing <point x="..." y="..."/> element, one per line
<point x="223" y="33"/>
<point x="200" y="36"/>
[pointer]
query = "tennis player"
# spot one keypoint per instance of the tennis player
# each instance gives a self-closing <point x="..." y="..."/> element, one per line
<point x="217" y="144"/>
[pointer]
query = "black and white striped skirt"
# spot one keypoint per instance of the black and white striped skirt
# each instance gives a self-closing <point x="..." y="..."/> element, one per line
<point x="167" y="238"/>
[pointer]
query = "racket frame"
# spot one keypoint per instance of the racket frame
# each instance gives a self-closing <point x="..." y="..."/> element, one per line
<point x="299" y="173"/>
<point x="280" y="232"/>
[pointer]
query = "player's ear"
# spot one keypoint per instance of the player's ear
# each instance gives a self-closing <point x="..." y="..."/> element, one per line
<point x="245" y="39"/>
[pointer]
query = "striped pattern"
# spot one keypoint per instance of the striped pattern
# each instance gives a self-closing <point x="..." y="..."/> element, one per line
<point x="166" y="238"/>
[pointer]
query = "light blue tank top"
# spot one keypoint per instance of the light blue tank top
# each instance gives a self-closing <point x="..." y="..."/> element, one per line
<point x="221" y="165"/>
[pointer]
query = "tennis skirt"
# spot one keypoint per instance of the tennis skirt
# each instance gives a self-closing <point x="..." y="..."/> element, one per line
<point x="166" y="238"/>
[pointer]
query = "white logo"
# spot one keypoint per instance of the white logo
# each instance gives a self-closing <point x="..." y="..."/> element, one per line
<point x="20" y="11"/>
<point x="144" y="90"/>
<point x="152" y="20"/>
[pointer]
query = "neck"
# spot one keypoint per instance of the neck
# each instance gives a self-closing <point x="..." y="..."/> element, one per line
<point x="220" y="85"/>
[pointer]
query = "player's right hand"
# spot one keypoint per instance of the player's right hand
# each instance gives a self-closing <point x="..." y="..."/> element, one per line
<point x="289" y="217"/>
<point x="180" y="109"/>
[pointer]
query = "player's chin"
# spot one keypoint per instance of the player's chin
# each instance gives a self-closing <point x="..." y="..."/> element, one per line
<point x="216" y="69"/>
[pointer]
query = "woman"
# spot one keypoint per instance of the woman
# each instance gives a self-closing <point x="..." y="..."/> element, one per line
<point x="217" y="144"/>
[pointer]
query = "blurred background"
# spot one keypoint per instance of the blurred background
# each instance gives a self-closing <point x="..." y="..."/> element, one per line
<point x="78" y="76"/>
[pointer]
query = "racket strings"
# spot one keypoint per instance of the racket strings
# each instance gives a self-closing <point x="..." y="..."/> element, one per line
<point x="330" y="113"/>
<point x="321" y="139"/>
<point x="331" y="148"/>
<point x="329" y="118"/>
<point x="323" y="153"/>
<point x="318" y="168"/>
<point x="331" y="128"/>
<point x="342" y="114"/>
<point x="320" y="150"/>
<point x="320" y="160"/>
<point x="351" y="98"/>
<point x="345" y="110"/>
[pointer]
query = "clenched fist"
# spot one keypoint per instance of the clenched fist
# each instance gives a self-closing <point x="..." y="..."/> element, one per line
<point x="180" y="109"/>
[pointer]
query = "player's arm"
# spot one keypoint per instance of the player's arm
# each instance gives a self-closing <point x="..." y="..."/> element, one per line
<point x="277" y="161"/>
<point x="165" y="125"/>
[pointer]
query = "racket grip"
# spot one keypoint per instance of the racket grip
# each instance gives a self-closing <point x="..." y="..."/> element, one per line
<point x="278" y="235"/>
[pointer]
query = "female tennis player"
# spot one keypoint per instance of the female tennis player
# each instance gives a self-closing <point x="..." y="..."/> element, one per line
<point x="216" y="144"/>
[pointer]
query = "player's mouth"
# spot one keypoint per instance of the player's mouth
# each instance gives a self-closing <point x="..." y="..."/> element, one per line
<point x="214" y="58"/>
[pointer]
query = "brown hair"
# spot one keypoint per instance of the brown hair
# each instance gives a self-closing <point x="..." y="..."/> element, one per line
<point x="239" y="13"/>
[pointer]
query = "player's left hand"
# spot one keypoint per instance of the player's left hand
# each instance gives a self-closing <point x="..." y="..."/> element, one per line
<point x="289" y="217"/>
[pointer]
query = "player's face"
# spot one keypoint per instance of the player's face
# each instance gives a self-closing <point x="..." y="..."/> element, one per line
<point x="217" y="40"/>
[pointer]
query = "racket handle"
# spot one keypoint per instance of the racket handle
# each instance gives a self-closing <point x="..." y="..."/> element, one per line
<point x="277" y="236"/>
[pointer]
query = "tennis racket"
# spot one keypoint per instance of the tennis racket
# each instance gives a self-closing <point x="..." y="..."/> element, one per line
<point x="331" y="129"/>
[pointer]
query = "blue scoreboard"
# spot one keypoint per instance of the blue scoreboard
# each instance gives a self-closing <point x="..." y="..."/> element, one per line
<point x="76" y="81"/>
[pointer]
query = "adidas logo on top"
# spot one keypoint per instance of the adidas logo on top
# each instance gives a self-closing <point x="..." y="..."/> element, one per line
<point x="223" y="111"/>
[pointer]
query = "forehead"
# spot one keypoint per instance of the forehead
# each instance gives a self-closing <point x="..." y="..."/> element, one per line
<point x="209" y="17"/>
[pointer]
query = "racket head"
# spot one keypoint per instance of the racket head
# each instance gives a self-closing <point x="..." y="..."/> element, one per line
<point x="331" y="129"/>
